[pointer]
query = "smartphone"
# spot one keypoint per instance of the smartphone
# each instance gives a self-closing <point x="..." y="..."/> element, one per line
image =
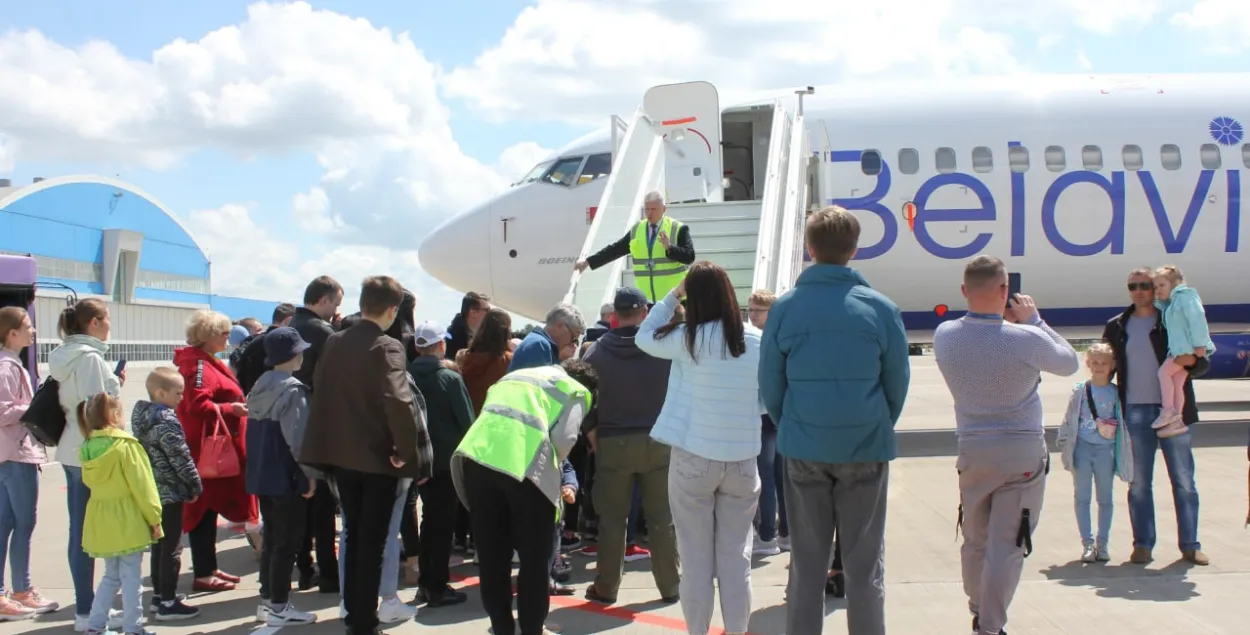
<point x="1013" y="287"/>
<point x="121" y="366"/>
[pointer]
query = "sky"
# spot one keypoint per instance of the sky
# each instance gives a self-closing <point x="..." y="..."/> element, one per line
<point x="296" y="139"/>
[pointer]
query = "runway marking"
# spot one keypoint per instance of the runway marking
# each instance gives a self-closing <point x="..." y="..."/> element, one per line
<point x="618" y="612"/>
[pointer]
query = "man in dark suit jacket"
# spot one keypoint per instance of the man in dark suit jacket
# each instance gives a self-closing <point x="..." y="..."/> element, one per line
<point x="366" y="431"/>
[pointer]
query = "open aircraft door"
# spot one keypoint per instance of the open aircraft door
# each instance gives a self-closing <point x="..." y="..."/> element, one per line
<point x="688" y="115"/>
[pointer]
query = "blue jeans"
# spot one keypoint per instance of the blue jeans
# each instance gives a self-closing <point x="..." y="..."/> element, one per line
<point x="81" y="565"/>
<point x="1094" y="468"/>
<point x="19" y="495"/>
<point x="772" y="489"/>
<point x="122" y="573"/>
<point x="1178" y="455"/>
<point x="389" y="586"/>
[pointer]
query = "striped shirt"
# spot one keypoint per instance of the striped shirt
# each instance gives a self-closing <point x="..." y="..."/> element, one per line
<point x="993" y="367"/>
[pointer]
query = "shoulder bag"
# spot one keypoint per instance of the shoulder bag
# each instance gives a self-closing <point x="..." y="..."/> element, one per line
<point x="218" y="456"/>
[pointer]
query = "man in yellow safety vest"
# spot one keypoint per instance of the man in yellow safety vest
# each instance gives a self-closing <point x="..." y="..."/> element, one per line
<point x="661" y="248"/>
<point x="507" y="472"/>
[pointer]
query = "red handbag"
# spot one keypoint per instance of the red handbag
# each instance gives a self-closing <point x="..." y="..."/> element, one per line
<point x="218" y="456"/>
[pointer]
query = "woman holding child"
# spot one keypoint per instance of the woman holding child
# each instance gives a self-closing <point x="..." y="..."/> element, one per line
<point x="212" y="402"/>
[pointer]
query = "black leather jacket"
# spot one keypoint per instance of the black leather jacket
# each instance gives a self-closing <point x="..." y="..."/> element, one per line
<point x="1116" y="334"/>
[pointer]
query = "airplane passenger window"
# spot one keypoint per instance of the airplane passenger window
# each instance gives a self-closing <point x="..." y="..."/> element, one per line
<point x="1056" y="160"/>
<point x="1091" y="158"/>
<point x="945" y="160"/>
<point x="1209" y="155"/>
<point x="909" y="161"/>
<point x="1018" y="156"/>
<point x="597" y="167"/>
<point x="1171" y="156"/>
<point x="563" y="172"/>
<point x="1132" y="157"/>
<point x="1245" y="154"/>
<point x="870" y="162"/>
<point x="982" y="159"/>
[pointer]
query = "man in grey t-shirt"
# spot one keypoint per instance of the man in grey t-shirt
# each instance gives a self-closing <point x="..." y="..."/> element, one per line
<point x="1140" y="343"/>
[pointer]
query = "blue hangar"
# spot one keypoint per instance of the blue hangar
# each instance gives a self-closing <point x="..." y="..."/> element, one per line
<point x="107" y="239"/>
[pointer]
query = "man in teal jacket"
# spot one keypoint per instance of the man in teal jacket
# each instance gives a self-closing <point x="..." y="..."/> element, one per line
<point x="833" y="375"/>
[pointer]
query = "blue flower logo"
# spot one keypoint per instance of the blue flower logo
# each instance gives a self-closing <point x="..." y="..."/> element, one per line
<point x="1227" y="131"/>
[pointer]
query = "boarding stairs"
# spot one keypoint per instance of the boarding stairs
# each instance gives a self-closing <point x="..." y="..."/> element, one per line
<point x="757" y="241"/>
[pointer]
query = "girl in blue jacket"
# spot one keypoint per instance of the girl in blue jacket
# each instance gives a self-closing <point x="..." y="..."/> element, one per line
<point x="1188" y="335"/>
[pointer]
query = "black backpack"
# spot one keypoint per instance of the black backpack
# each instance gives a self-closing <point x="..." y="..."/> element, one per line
<point x="248" y="362"/>
<point x="44" y="419"/>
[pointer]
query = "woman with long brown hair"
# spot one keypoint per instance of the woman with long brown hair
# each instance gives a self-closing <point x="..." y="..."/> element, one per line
<point x="481" y="365"/>
<point x="711" y="421"/>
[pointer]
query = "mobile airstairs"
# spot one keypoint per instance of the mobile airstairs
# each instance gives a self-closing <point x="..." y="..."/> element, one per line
<point x="745" y="211"/>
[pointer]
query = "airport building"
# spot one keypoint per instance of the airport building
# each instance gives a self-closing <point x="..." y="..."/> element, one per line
<point x="96" y="237"/>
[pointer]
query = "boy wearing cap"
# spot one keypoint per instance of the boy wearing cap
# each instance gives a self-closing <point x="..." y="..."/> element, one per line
<point x="449" y="413"/>
<point x="278" y="415"/>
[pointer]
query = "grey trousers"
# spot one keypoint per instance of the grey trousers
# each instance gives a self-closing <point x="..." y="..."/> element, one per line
<point x="852" y="497"/>
<point x="1002" y="480"/>
<point x="713" y="505"/>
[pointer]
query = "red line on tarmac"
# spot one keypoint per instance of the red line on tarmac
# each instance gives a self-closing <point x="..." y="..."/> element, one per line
<point x="618" y="612"/>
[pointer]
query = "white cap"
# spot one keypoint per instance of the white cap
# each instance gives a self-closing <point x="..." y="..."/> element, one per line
<point x="429" y="334"/>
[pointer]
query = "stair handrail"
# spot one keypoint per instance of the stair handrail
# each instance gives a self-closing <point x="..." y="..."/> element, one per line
<point x="771" y="200"/>
<point x="634" y="173"/>
<point x="794" y="210"/>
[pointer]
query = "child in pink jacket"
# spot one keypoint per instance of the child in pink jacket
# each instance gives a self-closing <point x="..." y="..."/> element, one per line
<point x="20" y="458"/>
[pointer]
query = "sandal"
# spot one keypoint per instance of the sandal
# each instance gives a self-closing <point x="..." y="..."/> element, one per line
<point x="228" y="577"/>
<point x="211" y="585"/>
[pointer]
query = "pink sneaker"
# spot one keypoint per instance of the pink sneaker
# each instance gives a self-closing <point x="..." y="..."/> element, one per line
<point x="1173" y="429"/>
<point x="11" y="611"/>
<point x="35" y="601"/>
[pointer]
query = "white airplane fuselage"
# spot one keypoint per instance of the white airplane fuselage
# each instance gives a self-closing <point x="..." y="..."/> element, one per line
<point x="1121" y="172"/>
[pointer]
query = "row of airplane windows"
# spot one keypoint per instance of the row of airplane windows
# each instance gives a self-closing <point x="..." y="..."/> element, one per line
<point x="1131" y="156"/>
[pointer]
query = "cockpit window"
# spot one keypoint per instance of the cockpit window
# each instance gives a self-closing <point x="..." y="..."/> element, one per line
<point x="597" y="167"/>
<point x="535" y="173"/>
<point x="564" y="171"/>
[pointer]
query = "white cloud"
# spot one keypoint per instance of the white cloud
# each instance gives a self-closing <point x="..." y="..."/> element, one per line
<point x="583" y="59"/>
<point x="251" y="261"/>
<point x="1083" y="61"/>
<point x="1225" y="23"/>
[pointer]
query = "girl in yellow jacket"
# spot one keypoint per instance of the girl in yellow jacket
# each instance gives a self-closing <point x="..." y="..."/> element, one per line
<point x="124" y="512"/>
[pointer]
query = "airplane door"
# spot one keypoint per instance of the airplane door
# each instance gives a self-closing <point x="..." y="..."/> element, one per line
<point x="689" y="118"/>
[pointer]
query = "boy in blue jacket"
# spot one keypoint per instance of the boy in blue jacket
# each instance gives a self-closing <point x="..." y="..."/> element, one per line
<point x="833" y="374"/>
<point x="277" y="418"/>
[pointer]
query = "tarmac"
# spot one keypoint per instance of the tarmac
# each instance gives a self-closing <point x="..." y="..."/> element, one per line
<point x="1058" y="595"/>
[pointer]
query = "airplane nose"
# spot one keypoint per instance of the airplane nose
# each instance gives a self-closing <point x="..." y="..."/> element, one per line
<point x="457" y="253"/>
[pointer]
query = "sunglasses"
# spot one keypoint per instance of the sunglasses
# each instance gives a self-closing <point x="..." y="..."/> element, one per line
<point x="1141" y="286"/>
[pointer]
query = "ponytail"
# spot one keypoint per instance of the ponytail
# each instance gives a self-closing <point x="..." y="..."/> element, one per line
<point x="77" y="318"/>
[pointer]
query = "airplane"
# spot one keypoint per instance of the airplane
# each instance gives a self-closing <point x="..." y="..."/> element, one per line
<point x="1073" y="180"/>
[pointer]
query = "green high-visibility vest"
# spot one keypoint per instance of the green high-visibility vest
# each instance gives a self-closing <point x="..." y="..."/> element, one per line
<point x="512" y="434"/>
<point x="655" y="276"/>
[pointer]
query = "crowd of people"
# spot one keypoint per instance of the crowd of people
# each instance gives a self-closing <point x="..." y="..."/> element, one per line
<point x="717" y="438"/>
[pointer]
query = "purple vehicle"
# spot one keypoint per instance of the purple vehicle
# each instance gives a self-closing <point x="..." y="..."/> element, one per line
<point x="17" y="288"/>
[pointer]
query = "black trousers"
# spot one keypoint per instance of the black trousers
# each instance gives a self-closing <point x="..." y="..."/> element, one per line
<point x="464" y="529"/>
<point x="321" y="529"/>
<point x="438" y="528"/>
<point x="409" y="532"/>
<point x="507" y="516"/>
<point x="167" y="554"/>
<point x="203" y="541"/>
<point x="579" y="456"/>
<point x="367" y="503"/>
<point x="284" y="519"/>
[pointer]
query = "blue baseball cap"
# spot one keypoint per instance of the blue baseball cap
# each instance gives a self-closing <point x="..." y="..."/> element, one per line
<point x="628" y="299"/>
<point x="282" y="345"/>
<point x="238" y="333"/>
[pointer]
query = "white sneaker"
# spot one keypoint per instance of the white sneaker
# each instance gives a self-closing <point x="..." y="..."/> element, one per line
<point x="783" y="543"/>
<point x="393" y="611"/>
<point x="766" y="547"/>
<point x="290" y="616"/>
<point x="262" y="612"/>
<point x="82" y="623"/>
